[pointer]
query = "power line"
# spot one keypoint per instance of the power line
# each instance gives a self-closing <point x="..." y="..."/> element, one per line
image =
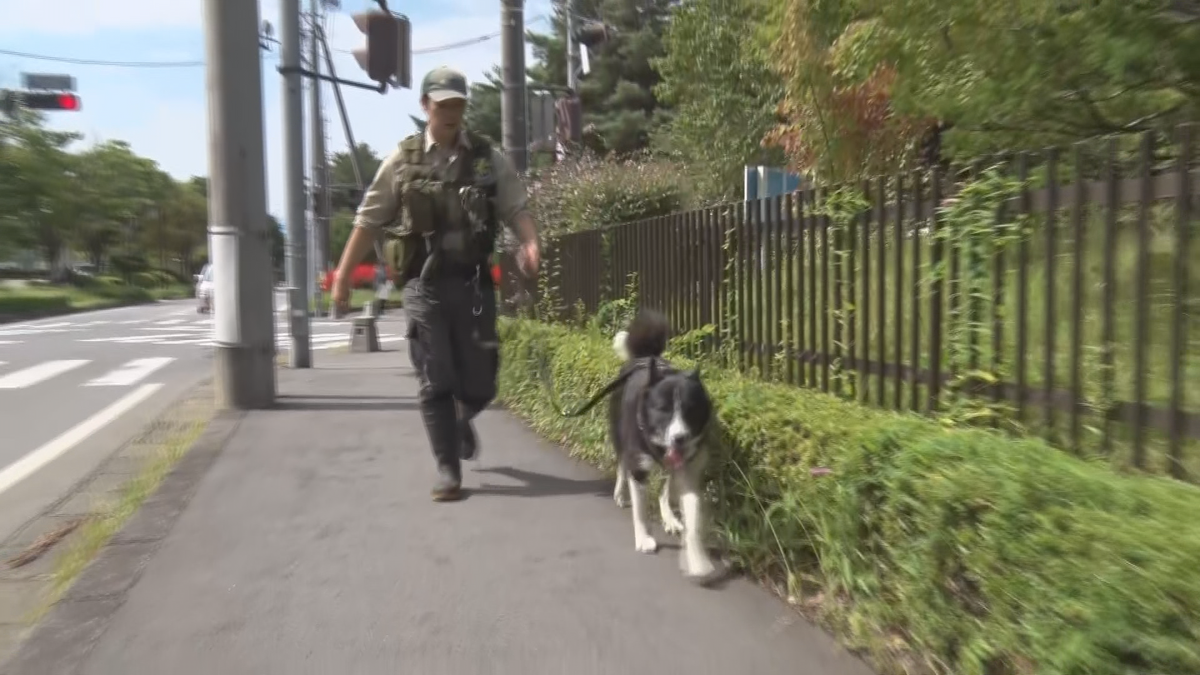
<point x="196" y="64"/>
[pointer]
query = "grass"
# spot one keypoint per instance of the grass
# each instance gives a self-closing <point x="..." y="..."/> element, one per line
<point x="37" y="300"/>
<point x="99" y="527"/>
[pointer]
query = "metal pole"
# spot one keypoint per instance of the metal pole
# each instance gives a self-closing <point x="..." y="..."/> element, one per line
<point x="300" y="352"/>
<point x="355" y="160"/>
<point x="512" y="103"/>
<point x="244" y="363"/>
<point x="319" y="182"/>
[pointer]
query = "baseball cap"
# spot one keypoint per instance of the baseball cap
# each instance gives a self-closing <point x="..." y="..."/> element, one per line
<point x="444" y="83"/>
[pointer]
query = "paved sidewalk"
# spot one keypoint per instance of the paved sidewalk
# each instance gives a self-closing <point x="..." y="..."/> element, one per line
<point x="305" y="542"/>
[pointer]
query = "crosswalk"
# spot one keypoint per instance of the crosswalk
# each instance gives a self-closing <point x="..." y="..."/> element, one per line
<point x="80" y="372"/>
<point x="170" y="331"/>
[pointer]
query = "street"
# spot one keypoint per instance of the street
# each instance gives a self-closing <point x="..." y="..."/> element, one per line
<point x="74" y="388"/>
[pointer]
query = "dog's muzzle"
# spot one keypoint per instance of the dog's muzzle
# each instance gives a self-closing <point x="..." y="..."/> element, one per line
<point x="674" y="457"/>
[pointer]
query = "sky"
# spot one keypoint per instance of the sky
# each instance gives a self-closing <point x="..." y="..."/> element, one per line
<point x="162" y="112"/>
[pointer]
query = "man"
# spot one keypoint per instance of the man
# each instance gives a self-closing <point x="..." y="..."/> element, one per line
<point x="448" y="189"/>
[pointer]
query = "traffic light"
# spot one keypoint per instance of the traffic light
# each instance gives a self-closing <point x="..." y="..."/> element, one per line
<point x="39" y="100"/>
<point x="387" y="56"/>
<point x="593" y="33"/>
<point x="51" y="101"/>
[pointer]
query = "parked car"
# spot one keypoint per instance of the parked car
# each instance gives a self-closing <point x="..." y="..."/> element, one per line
<point x="204" y="289"/>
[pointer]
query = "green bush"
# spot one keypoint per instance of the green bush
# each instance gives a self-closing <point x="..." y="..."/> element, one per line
<point x="17" y="304"/>
<point x="590" y="192"/>
<point x="935" y="549"/>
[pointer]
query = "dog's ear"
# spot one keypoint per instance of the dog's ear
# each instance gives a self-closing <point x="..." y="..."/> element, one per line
<point x="694" y="373"/>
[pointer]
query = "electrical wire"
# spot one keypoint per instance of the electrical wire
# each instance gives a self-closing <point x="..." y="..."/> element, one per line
<point x="196" y="64"/>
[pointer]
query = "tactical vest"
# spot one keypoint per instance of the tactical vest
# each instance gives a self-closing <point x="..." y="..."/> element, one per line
<point x="447" y="213"/>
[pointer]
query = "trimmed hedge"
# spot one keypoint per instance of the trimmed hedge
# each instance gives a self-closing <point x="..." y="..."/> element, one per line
<point x="935" y="549"/>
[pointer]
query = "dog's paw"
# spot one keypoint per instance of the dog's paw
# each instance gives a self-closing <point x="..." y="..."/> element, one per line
<point x="621" y="500"/>
<point x="672" y="525"/>
<point x="696" y="564"/>
<point x="645" y="544"/>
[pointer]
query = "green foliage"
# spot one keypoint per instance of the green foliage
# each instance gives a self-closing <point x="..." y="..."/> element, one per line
<point x="101" y="202"/>
<point x="722" y="93"/>
<point x="588" y="192"/>
<point x="619" y="105"/>
<point x="949" y="551"/>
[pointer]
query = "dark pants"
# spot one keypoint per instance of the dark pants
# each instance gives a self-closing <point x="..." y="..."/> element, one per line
<point x="454" y="346"/>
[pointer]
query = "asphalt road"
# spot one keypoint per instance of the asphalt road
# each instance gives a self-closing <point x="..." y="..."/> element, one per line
<point x="74" y="389"/>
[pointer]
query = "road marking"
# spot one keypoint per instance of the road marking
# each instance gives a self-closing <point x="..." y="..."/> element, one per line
<point x="26" y="466"/>
<point x="10" y="342"/>
<point x="170" y="322"/>
<point x="131" y="372"/>
<point x="35" y="374"/>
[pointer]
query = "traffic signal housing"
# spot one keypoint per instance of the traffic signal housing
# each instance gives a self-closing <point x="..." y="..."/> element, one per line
<point x="387" y="56"/>
<point x="40" y="100"/>
<point x="593" y="33"/>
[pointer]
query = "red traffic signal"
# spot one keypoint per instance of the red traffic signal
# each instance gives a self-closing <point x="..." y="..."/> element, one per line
<point x="50" y="101"/>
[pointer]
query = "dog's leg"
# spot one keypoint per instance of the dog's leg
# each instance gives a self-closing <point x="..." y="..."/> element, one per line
<point x="642" y="541"/>
<point x="671" y="524"/>
<point x="619" y="490"/>
<point x="693" y="558"/>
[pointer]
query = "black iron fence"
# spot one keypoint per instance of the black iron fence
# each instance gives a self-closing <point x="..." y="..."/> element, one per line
<point x="1047" y="291"/>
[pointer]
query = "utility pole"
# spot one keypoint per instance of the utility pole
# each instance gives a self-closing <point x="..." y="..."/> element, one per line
<point x="572" y="50"/>
<point x="514" y="100"/>
<point x="300" y="351"/>
<point x="244" y="373"/>
<point x="319" y="183"/>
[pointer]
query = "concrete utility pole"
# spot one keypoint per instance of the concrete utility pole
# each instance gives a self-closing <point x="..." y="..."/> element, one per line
<point x="244" y="374"/>
<point x="300" y="351"/>
<point x="572" y="50"/>
<point x="320" y="181"/>
<point x="514" y="100"/>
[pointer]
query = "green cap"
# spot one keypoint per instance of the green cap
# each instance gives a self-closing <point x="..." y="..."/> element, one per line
<point x="443" y="83"/>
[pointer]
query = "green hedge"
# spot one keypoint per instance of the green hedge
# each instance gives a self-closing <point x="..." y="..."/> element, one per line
<point x="935" y="549"/>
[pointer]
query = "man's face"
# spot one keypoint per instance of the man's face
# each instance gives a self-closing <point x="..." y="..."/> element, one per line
<point x="445" y="117"/>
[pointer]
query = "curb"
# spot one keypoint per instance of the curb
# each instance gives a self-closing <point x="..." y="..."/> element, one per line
<point x="65" y="636"/>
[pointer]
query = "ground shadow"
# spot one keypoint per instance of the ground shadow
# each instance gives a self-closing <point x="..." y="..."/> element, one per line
<point x="338" y="402"/>
<point x="540" y="484"/>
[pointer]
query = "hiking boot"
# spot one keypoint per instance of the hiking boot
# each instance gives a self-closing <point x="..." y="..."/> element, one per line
<point x="468" y="441"/>
<point x="448" y="487"/>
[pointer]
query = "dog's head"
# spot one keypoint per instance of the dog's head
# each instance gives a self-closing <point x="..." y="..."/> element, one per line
<point x="675" y="412"/>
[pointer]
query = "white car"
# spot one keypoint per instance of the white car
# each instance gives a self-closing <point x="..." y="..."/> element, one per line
<point x="204" y="289"/>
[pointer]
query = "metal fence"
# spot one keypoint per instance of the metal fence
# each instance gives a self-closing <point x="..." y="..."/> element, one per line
<point x="1047" y="291"/>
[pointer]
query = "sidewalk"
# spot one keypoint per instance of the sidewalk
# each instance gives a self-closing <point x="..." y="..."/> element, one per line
<point x="303" y="540"/>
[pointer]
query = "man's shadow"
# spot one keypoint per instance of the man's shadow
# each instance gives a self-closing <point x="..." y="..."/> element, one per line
<point x="538" y="484"/>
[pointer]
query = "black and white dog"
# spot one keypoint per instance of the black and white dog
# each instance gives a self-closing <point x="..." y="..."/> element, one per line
<point x="657" y="417"/>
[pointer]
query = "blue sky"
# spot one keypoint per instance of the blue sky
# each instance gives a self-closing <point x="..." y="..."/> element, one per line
<point x="161" y="112"/>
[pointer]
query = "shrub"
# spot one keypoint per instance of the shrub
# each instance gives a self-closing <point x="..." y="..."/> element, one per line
<point x="589" y="192"/>
<point x="936" y="549"/>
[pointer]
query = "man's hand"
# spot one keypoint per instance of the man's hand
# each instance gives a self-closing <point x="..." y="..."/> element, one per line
<point x="340" y="292"/>
<point x="528" y="257"/>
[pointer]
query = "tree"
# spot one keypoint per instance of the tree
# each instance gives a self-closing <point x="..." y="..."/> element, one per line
<point x="483" y="114"/>
<point x="278" y="244"/>
<point x="39" y="191"/>
<point x="716" y="78"/>
<point x="117" y="189"/>
<point x="618" y="95"/>
<point x="341" y="173"/>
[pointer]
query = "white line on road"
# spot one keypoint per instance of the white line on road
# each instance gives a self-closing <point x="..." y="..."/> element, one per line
<point x="34" y="374"/>
<point x="131" y="372"/>
<point x="26" y="466"/>
<point x="169" y="322"/>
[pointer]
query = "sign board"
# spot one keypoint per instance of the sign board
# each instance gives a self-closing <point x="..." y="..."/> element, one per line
<point x="48" y="82"/>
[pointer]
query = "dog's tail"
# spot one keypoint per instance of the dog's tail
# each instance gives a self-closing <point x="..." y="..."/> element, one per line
<point x="646" y="336"/>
